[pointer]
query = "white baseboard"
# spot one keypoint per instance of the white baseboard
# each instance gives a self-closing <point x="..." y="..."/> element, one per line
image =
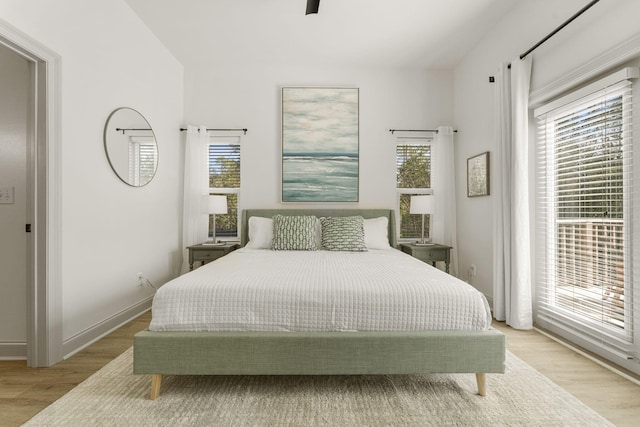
<point x="13" y="351"/>
<point x="90" y="335"/>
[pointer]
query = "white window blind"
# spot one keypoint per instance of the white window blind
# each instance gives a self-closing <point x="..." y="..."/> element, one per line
<point x="413" y="162"/>
<point x="224" y="165"/>
<point x="413" y="177"/>
<point x="584" y="280"/>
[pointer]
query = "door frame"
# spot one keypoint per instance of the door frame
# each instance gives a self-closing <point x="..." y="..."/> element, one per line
<point x="44" y="284"/>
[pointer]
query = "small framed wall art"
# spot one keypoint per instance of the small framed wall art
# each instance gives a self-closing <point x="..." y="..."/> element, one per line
<point x="478" y="175"/>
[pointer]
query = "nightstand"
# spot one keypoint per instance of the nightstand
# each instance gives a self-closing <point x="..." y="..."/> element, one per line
<point x="207" y="253"/>
<point x="430" y="253"/>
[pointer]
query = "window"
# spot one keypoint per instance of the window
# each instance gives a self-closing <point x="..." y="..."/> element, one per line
<point x="585" y="182"/>
<point x="224" y="179"/>
<point x="142" y="159"/>
<point x="413" y="176"/>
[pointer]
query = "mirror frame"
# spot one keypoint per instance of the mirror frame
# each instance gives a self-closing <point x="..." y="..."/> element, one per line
<point x="106" y="148"/>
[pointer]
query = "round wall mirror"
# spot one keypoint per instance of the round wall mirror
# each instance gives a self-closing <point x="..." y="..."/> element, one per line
<point x="131" y="147"/>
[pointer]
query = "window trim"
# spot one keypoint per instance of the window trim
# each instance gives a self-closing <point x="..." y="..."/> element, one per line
<point x="411" y="140"/>
<point x="620" y="346"/>
<point x="228" y="140"/>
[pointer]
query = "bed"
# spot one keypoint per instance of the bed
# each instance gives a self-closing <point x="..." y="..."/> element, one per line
<point x="187" y="338"/>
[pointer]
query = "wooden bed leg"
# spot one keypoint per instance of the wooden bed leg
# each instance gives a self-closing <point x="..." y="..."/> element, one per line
<point x="482" y="384"/>
<point x="156" y="380"/>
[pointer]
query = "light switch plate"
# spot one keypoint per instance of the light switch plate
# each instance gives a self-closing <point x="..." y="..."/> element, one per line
<point x="6" y="195"/>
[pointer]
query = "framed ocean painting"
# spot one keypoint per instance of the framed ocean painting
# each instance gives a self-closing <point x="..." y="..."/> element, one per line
<point x="320" y="140"/>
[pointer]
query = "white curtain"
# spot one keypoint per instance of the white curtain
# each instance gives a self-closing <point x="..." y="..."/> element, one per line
<point x="512" y="300"/>
<point x="195" y="218"/>
<point x="443" y="221"/>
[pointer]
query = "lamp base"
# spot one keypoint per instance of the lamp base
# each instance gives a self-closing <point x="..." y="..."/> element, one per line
<point x="423" y="244"/>
<point x="212" y="243"/>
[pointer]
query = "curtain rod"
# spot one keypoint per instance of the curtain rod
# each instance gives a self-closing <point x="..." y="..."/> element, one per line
<point x="415" y="130"/>
<point x="220" y="130"/>
<point x="564" y="24"/>
<point x="126" y="129"/>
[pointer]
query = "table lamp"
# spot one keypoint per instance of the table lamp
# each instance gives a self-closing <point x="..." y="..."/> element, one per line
<point x="217" y="205"/>
<point x="422" y="205"/>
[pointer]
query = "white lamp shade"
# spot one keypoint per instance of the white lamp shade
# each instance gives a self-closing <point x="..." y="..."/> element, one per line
<point x="421" y="205"/>
<point x="218" y="205"/>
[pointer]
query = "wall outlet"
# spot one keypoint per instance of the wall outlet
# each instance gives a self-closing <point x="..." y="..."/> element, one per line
<point x="7" y="195"/>
<point x="472" y="270"/>
<point x="145" y="283"/>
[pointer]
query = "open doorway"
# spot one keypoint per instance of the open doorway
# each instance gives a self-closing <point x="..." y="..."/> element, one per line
<point x="42" y="211"/>
<point x="14" y="117"/>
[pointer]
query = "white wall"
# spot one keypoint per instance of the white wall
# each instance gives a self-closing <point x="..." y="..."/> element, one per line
<point x="13" y="162"/>
<point x="599" y="30"/>
<point x="230" y="95"/>
<point x="110" y="231"/>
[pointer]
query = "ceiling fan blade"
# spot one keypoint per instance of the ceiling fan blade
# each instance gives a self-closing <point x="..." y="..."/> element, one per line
<point x="312" y="6"/>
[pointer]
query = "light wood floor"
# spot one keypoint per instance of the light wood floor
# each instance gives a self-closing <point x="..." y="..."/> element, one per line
<point x="609" y="394"/>
<point x="24" y="391"/>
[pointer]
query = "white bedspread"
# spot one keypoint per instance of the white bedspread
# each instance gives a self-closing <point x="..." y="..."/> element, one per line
<point x="264" y="290"/>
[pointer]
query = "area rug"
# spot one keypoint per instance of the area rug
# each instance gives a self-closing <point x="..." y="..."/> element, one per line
<point x="114" y="396"/>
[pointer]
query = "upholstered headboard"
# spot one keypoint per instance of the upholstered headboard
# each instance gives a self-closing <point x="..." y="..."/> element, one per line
<point x="365" y="213"/>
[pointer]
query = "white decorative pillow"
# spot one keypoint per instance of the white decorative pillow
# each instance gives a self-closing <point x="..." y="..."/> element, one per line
<point x="343" y="233"/>
<point x="260" y="233"/>
<point x="376" y="233"/>
<point x="294" y="233"/>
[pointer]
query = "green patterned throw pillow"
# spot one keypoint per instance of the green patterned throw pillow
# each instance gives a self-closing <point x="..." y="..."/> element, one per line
<point x="343" y="233"/>
<point x="294" y="233"/>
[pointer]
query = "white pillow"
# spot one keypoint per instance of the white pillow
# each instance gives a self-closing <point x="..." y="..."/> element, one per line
<point x="260" y="233"/>
<point x="376" y="233"/>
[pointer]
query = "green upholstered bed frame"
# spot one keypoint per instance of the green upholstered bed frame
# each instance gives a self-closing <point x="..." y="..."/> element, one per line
<point x="318" y="353"/>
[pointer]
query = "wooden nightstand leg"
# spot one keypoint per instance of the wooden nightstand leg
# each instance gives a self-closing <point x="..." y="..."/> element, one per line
<point x="446" y="266"/>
